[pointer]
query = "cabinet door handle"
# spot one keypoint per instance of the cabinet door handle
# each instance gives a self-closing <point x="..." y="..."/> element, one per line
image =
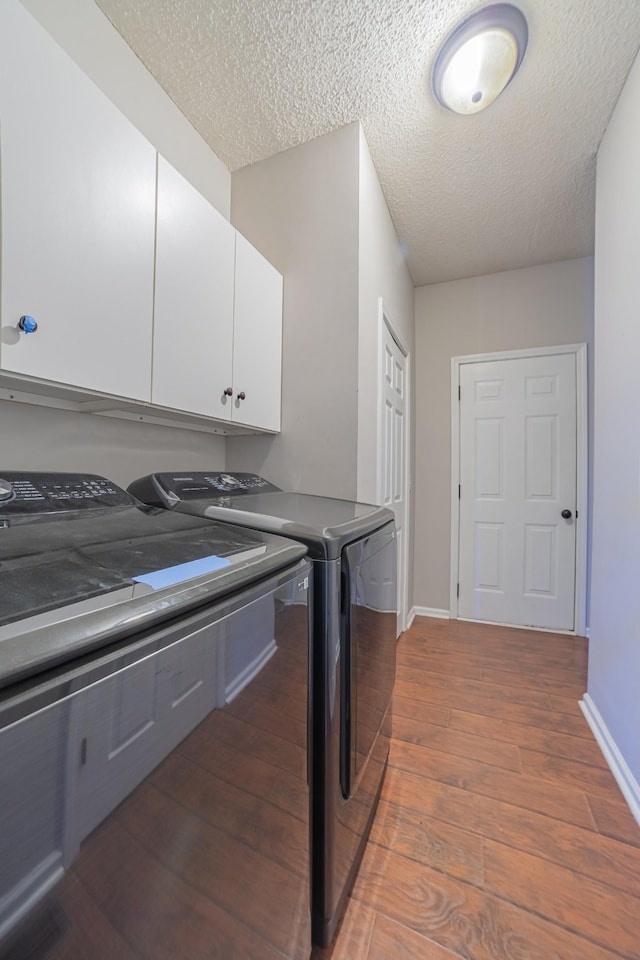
<point x="228" y="392"/>
<point x="242" y="395"/>
<point x="28" y="324"/>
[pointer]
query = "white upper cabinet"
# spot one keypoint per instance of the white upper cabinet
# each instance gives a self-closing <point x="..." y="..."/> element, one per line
<point x="193" y="319"/>
<point x="217" y="341"/>
<point x="257" y="339"/>
<point x="78" y="217"/>
<point x="90" y="216"/>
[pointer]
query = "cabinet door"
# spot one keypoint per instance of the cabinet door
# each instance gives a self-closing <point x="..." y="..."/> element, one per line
<point x="188" y="683"/>
<point x="120" y="741"/>
<point x="133" y="720"/>
<point x="78" y="213"/>
<point x="193" y="319"/>
<point x="35" y="808"/>
<point x="257" y="339"/>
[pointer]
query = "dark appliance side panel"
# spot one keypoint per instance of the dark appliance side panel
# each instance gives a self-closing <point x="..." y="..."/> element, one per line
<point x="327" y="880"/>
<point x="154" y="796"/>
<point x="369" y="571"/>
<point x="362" y="678"/>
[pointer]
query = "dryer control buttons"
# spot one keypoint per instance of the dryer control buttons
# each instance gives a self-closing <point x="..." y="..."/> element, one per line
<point x="228" y="482"/>
<point x="6" y="490"/>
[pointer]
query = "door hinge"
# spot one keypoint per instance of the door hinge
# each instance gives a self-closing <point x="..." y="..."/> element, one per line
<point x="576" y="514"/>
<point x="459" y="490"/>
<point x="83" y="752"/>
<point x="459" y="393"/>
<point x="458" y="590"/>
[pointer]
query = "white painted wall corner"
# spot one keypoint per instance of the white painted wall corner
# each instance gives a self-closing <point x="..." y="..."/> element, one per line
<point x="427" y="612"/>
<point x="617" y="764"/>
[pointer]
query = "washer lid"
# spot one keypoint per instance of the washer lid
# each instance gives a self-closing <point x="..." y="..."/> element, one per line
<point x="81" y="564"/>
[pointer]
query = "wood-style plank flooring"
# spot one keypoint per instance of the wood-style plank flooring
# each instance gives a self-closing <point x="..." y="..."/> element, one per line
<point x="501" y="833"/>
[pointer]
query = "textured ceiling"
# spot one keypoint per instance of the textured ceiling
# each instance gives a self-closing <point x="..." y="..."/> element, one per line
<point x="508" y="187"/>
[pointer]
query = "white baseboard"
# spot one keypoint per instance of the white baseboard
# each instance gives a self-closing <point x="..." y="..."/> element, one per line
<point x="252" y="670"/>
<point x="617" y="764"/>
<point x="428" y="612"/>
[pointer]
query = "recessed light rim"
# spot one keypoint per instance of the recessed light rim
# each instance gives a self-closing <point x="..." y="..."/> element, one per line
<point x="504" y="16"/>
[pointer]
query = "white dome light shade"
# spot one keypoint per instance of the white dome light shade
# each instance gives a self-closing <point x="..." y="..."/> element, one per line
<point x="479" y="71"/>
<point x="480" y="58"/>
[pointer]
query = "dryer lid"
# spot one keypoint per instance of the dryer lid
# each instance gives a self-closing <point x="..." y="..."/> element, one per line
<point x="324" y="524"/>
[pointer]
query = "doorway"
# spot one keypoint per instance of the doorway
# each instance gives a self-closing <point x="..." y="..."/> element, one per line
<point x="519" y="468"/>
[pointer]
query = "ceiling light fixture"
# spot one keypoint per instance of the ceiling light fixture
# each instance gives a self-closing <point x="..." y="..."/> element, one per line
<point x="480" y="58"/>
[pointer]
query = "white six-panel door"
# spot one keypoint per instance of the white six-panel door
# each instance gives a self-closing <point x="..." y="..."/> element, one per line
<point x="394" y="453"/>
<point x="517" y="553"/>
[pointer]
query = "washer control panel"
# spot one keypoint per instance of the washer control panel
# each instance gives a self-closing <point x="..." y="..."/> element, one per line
<point x="198" y="486"/>
<point x="33" y="493"/>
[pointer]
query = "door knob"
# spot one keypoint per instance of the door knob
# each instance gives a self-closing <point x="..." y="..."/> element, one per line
<point x="566" y="514"/>
<point x="228" y="392"/>
<point x="27" y="324"/>
<point x="242" y="395"/>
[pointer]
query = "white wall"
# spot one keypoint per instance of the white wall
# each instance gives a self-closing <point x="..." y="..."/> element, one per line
<point x="383" y="272"/>
<point x="537" y="306"/>
<point x="39" y="438"/>
<point x="614" y="648"/>
<point x="300" y="209"/>
<point x="82" y="29"/>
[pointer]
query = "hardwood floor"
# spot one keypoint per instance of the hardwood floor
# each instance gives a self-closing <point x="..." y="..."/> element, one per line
<point x="501" y="833"/>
